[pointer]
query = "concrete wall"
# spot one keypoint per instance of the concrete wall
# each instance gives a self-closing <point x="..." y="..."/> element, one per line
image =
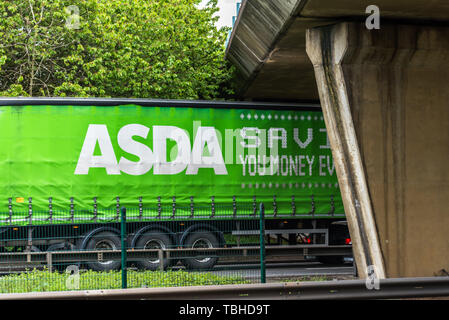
<point x="396" y="86"/>
<point x="401" y="114"/>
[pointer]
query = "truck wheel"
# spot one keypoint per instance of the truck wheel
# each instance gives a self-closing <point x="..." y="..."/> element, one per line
<point x="201" y="240"/>
<point x="152" y="240"/>
<point x="104" y="241"/>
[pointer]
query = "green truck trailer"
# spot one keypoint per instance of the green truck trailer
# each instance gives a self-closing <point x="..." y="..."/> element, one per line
<point x="179" y="167"/>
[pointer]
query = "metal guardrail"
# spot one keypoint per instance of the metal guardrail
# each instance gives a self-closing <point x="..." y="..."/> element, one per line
<point x="323" y="290"/>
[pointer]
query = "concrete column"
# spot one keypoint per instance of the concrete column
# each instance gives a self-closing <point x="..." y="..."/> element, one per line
<point x="385" y="99"/>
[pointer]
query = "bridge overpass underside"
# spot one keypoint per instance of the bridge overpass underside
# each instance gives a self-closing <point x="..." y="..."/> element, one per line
<point x="385" y="99"/>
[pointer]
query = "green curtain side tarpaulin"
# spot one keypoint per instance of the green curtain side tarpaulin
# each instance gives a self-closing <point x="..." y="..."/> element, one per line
<point x="132" y="152"/>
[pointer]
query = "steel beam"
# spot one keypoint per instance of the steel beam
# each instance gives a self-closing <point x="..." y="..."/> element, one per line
<point x="317" y="290"/>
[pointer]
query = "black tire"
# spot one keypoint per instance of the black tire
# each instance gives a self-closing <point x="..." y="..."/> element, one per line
<point x="104" y="240"/>
<point x="201" y="240"/>
<point x="153" y="240"/>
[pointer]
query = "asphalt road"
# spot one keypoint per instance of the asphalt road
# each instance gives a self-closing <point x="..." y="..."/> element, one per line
<point x="286" y="270"/>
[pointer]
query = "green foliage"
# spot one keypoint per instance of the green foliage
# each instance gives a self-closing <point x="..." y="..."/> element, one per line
<point x="120" y="48"/>
<point x="40" y="281"/>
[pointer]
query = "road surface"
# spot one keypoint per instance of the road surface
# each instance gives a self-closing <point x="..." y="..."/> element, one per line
<point x="285" y="270"/>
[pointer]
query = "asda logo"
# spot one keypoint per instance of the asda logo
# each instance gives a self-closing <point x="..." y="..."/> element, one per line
<point x="188" y="157"/>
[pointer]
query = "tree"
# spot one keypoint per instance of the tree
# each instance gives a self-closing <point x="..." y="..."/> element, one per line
<point x="120" y="48"/>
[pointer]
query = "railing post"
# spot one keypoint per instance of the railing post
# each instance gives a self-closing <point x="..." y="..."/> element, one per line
<point x="123" y="238"/>
<point x="262" y="243"/>
<point x="160" y="255"/>
<point x="49" y="262"/>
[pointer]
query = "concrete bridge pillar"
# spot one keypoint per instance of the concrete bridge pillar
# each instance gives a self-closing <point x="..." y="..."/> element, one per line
<point x="385" y="100"/>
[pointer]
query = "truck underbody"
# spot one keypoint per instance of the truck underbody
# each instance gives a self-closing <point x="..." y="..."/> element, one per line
<point x="176" y="233"/>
